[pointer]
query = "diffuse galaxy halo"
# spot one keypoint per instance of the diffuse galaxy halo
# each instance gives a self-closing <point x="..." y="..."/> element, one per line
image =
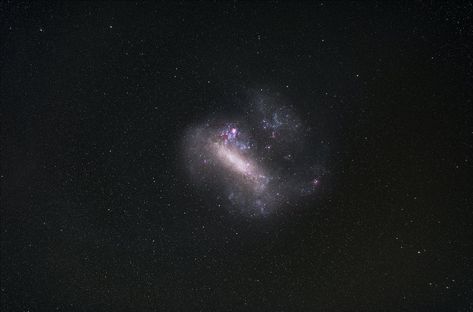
<point x="258" y="162"/>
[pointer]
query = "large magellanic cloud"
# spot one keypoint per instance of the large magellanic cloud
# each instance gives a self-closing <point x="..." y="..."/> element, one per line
<point x="260" y="161"/>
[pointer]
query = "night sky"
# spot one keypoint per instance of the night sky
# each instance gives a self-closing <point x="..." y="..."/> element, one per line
<point x="101" y="209"/>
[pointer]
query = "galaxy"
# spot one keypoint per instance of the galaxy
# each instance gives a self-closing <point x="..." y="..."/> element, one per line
<point x="261" y="163"/>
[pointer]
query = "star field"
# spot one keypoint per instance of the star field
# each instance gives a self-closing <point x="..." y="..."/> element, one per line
<point x="236" y="156"/>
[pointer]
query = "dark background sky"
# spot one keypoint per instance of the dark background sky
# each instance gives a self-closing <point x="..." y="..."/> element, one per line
<point x="98" y="213"/>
